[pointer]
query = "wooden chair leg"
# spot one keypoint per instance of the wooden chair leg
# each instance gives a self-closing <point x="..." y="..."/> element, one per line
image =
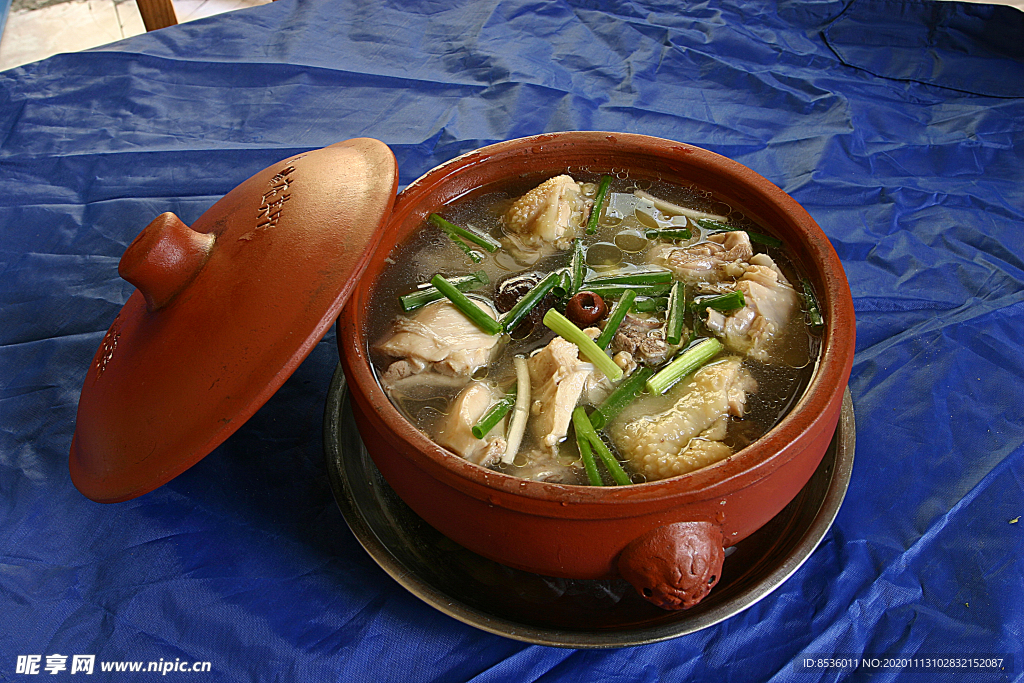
<point x="157" y="13"/>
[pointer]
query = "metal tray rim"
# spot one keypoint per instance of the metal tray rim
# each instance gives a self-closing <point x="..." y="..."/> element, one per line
<point x="337" y="418"/>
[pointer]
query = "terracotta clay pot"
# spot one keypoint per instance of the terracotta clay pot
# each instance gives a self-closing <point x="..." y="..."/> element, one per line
<point x="665" y="537"/>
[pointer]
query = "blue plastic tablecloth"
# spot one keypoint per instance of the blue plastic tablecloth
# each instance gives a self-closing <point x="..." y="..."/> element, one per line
<point x="899" y="125"/>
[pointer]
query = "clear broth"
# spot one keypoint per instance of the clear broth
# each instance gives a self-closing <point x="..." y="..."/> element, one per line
<point x="618" y="243"/>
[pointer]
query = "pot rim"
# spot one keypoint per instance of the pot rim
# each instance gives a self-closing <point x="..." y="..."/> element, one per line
<point x="769" y="452"/>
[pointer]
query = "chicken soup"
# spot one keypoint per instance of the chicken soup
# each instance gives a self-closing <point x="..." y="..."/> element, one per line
<point x="593" y="329"/>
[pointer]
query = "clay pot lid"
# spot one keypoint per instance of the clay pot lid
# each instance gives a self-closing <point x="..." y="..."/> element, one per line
<point x="224" y="312"/>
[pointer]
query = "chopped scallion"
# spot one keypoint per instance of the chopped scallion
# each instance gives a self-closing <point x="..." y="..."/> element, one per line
<point x="468" y="308"/>
<point x="722" y="302"/>
<point x="494" y="414"/>
<point x="593" y="476"/>
<point x="564" y="328"/>
<point x="649" y="304"/>
<point x="617" y="290"/>
<point x="474" y="255"/>
<point x="475" y="236"/>
<point x="669" y="234"/>
<point x="428" y="293"/>
<point x="676" y="313"/>
<point x="563" y="287"/>
<point x="583" y="426"/>
<point x="595" y="213"/>
<point x="716" y="226"/>
<point x="684" y="364"/>
<point x="511" y="320"/>
<point x="619" y="311"/>
<point x="638" y="277"/>
<point x="814" y="317"/>
<point x="610" y="461"/>
<point x="623" y="395"/>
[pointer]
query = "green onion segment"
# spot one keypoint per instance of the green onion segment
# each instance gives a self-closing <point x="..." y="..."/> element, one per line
<point x="649" y="304"/>
<point x="475" y="236"/>
<point x="564" y="328"/>
<point x="593" y="476"/>
<point x="563" y="287"/>
<point x="511" y="320"/>
<point x="676" y="313"/>
<point x="648" y="276"/>
<point x="474" y="255"/>
<point x="468" y="308"/>
<point x="586" y="430"/>
<point x="428" y="293"/>
<point x="715" y="226"/>
<point x="684" y="364"/>
<point x="595" y="212"/>
<point x="494" y="414"/>
<point x="520" y="413"/>
<point x="669" y="234"/>
<point x="623" y="395"/>
<point x="618" y="313"/>
<point x="722" y="302"/>
<point x="616" y="290"/>
<point x="814" y="317"/>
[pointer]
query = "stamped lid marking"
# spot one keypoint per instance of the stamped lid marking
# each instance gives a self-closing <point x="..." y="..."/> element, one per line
<point x="272" y="202"/>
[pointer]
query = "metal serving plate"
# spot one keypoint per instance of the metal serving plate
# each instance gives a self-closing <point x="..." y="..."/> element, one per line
<point x="566" y="612"/>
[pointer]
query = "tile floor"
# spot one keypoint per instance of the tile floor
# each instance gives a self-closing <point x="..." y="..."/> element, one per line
<point x="37" y="29"/>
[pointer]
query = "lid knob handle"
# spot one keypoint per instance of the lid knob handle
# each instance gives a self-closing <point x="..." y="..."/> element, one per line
<point x="164" y="259"/>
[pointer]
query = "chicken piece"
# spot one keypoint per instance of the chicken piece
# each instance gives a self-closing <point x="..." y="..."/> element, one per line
<point x="701" y="452"/>
<point x="547" y="218"/>
<point x="706" y="261"/>
<point x="736" y="244"/>
<point x="439" y="338"/>
<point x="677" y="440"/>
<point x="547" y="465"/>
<point x="643" y="339"/>
<point x="597" y="387"/>
<point x="557" y="378"/>
<point x="706" y="448"/>
<point x="689" y="264"/>
<point x="770" y="304"/>
<point x="456" y="430"/>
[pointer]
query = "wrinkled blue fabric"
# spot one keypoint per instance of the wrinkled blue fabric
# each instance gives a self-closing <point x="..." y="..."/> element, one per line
<point x="898" y="125"/>
<point x="977" y="50"/>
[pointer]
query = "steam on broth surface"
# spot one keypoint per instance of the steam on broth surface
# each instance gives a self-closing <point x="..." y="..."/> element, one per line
<point x="742" y="309"/>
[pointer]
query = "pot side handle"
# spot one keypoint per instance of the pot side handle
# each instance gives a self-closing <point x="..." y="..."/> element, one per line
<point x="675" y="566"/>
